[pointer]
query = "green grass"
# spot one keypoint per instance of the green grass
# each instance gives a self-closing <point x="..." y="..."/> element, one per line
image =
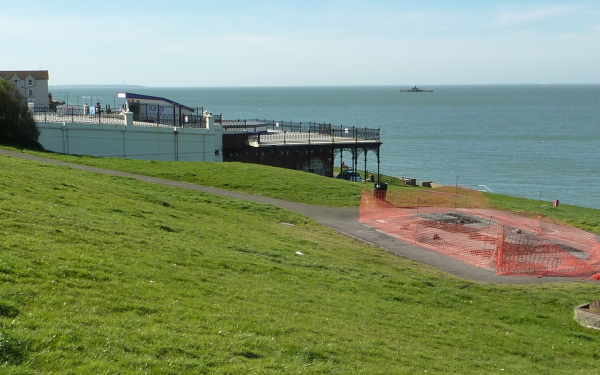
<point x="104" y="275"/>
<point x="255" y="179"/>
<point x="587" y="219"/>
<point x="303" y="187"/>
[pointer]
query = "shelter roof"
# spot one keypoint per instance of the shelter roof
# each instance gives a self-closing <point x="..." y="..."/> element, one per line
<point x="23" y="74"/>
<point x="129" y="95"/>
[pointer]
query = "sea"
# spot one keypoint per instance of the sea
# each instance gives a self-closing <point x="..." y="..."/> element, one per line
<point x="538" y="141"/>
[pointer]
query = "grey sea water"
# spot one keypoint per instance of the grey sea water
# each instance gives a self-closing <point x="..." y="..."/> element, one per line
<point x="532" y="141"/>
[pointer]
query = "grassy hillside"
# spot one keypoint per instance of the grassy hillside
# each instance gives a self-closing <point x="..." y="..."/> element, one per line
<point x="303" y="187"/>
<point x="587" y="219"/>
<point x="111" y="275"/>
<point x="242" y="177"/>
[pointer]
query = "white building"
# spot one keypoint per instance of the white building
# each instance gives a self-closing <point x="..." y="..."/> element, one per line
<point x="32" y="84"/>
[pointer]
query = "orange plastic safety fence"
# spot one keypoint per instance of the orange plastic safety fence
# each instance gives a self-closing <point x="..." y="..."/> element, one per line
<point x="462" y="223"/>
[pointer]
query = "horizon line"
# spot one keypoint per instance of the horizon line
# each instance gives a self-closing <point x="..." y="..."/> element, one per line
<point x="340" y="85"/>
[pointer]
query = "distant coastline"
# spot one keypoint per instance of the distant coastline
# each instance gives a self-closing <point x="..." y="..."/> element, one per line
<point x="91" y="86"/>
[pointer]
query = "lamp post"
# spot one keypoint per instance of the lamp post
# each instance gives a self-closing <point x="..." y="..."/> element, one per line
<point x="65" y="92"/>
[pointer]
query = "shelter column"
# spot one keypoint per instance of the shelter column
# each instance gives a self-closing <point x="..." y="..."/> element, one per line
<point x="210" y="120"/>
<point x="128" y="118"/>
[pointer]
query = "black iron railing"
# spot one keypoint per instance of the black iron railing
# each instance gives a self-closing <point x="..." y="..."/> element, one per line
<point x="283" y="132"/>
<point x="192" y="121"/>
<point x="92" y="114"/>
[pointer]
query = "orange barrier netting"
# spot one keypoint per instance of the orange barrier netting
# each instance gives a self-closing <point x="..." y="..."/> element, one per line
<point x="462" y="223"/>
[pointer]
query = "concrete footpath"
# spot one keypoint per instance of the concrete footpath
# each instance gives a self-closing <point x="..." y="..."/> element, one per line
<point x="343" y="220"/>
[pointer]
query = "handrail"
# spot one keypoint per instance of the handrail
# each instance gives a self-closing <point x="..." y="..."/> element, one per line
<point x="271" y="129"/>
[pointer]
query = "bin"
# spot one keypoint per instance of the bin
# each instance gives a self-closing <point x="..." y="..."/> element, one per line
<point x="381" y="190"/>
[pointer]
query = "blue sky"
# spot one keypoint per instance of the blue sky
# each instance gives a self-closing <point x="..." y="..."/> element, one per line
<point x="303" y="43"/>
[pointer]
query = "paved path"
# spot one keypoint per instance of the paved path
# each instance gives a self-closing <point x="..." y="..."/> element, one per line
<point x="343" y="220"/>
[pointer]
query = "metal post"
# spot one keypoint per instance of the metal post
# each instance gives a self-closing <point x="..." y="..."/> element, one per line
<point x="378" y="162"/>
<point x="65" y="92"/>
<point x="176" y="144"/>
<point x="417" y="226"/>
<point x="365" y="163"/>
<point x="456" y="193"/>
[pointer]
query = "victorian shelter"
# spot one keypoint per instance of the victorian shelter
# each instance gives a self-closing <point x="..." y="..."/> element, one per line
<point x="311" y="147"/>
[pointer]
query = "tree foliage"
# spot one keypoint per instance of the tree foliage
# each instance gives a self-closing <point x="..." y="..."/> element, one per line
<point x="17" y="126"/>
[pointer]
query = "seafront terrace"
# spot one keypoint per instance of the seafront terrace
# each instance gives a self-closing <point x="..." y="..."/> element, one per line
<point x="306" y="146"/>
<point x="259" y="133"/>
<point x="309" y="146"/>
<point x="77" y="114"/>
<point x="271" y="132"/>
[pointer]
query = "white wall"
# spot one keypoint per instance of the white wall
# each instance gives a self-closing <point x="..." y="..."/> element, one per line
<point x="133" y="142"/>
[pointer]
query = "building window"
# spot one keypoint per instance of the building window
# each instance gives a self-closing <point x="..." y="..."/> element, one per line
<point x="30" y="82"/>
<point x="30" y="92"/>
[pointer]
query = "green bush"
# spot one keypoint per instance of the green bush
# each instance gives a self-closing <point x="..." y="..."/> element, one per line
<point x="17" y="126"/>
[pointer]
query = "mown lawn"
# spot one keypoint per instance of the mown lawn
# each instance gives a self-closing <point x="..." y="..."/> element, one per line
<point x="104" y="275"/>
<point x="255" y="179"/>
<point x="584" y="218"/>
<point x="303" y="187"/>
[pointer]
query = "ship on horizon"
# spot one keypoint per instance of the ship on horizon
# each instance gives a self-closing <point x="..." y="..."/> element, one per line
<point x="416" y="89"/>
